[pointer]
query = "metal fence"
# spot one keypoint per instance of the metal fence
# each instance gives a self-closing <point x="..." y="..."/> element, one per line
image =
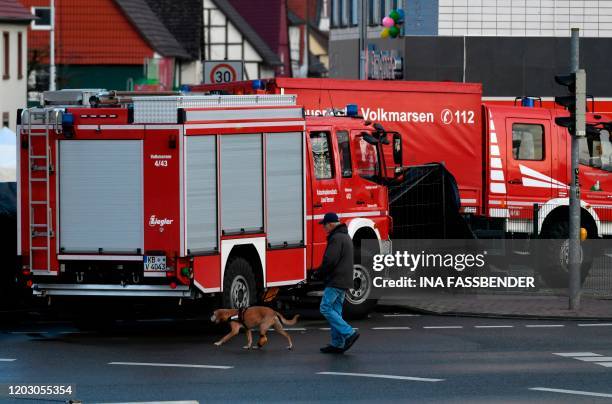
<point x="530" y="238"/>
<point x="417" y="203"/>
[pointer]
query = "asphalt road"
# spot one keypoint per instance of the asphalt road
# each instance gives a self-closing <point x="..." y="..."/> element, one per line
<point x="399" y="358"/>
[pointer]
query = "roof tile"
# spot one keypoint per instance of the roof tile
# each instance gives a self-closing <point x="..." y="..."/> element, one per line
<point x="13" y="11"/>
<point x="151" y="28"/>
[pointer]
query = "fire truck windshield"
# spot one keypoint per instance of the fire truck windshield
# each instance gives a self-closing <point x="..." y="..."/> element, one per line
<point x="596" y="150"/>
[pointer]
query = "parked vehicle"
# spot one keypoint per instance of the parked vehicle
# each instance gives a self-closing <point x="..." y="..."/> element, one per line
<point x="185" y="196"/>
<point x="511" y="162"/>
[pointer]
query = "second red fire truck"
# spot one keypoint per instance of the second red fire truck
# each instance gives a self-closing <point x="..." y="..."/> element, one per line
<point x="511" y="162"/>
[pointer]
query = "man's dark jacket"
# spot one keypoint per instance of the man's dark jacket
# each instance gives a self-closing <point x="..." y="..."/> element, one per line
<point x="337" y="266"/>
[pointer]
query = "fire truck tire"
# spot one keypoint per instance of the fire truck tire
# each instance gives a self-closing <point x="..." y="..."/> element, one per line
<point x="553" y="257"/>
<point x="357" y="303"/>
<point x="239" y="286"/>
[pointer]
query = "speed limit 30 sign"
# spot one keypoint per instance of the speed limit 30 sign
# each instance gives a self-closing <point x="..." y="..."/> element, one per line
<point x="222" y="71"/>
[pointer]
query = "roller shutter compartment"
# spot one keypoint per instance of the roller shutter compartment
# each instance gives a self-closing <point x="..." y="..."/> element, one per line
<point x="101" y="196"/>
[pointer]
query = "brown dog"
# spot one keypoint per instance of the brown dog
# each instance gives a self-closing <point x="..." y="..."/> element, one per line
<point x="251" y="317"/>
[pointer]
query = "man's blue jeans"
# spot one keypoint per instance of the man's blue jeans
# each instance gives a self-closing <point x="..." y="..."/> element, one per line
<point x="331" y="308"/>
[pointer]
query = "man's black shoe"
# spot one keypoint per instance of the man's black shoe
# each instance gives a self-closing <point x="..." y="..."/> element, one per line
<point x="350" y="341"/>
<point x="332" y="349"/>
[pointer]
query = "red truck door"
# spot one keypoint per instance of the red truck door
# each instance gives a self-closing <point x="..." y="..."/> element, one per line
<point x="325" y="186"/>
<point x="529" y="164"/>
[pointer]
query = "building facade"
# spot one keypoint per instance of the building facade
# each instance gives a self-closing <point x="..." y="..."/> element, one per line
<point x="513" y="47"/>
<point x="309" y="37"/>
<point x="14" y="20"/>
<point x="524" y="18"/>
<point x="112" y="44"/>
<point x="229" y="36"/>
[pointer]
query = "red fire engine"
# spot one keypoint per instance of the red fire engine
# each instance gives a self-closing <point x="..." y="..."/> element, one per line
<point x="181" y="196"/>
<point x="508" y="161"/>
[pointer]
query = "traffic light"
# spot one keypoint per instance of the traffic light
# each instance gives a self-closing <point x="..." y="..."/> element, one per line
<point x="567" y="101"/>
<point x="575" y="102"/>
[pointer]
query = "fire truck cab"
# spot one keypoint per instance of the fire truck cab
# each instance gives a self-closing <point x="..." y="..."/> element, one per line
<point x="182" y="196"/>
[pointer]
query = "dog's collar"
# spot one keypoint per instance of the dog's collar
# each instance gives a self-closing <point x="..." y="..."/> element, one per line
<point x="239" y="317"/>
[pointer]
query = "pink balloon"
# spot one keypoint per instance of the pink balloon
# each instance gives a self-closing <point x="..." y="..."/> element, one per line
<point x="388" y="22"/>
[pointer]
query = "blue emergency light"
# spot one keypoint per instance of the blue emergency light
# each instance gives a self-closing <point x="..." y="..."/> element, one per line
<point x="68" y="124"/>
<point x="258" y="85"/>
<point x="352" y="110"/>
<point x="67" y="119"/>
<point x="528" y="102"/>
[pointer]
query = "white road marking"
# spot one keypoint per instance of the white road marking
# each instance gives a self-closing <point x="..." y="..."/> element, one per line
<point x="575" y="392"/>
<point x="595" y="325"/>
<point x="391" y="328"/>
<point x="7" y="360"/>
<point x="328" y="329"/>
<point x="159" y="402"/>
<point x="175" y="365"/>
<point x="290" y="329"/>
<point x="401" y="315"/>
<point x="595" y="358"/>
<point x="544" y="325"/>
<point x="373" y="375"/>
<point x="493" y="326"/>
<point x="443" y="326"/>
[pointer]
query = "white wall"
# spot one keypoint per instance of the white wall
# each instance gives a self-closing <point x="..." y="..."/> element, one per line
<point x="525" y="17"/>
<point x="216" y="28"/>
<point x="13" y="90"/>
<point x="191" y="72"/>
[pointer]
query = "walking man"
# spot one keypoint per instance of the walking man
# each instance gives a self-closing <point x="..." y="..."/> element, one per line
<point x="337" y="272"/>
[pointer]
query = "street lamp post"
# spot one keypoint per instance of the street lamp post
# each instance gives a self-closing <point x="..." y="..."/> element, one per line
<point x="574" y="199"/>
<point x="52" y="72"/>
<point x="363" y="40"/>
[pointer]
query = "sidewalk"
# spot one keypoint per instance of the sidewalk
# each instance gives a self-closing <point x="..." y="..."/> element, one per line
<point x="500" y="305"/>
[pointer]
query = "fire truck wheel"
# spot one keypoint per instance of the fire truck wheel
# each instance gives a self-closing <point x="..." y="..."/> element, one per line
<point x="358" y="303"/>
<point x="553" y="257"/>
<point x="239" y="287"/>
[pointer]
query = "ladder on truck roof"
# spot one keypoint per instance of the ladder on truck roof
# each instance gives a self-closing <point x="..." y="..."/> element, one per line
<point x="39" y="170"/>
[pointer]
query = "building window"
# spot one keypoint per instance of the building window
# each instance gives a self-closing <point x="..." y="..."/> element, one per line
<point x="527" y="141"/>
<point x="7" y="52"/>
<point x="43" y="20"/>
<point x="20" y="55"/>
<point x="373" y="12"/>
<point x="344" y="13"/>
<point x="354" y="10"/>
<point x="337" y="13"/>
<point x="5" y="119"/>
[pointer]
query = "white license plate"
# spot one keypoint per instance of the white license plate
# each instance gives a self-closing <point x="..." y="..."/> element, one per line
<point x="155" y="263"/>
